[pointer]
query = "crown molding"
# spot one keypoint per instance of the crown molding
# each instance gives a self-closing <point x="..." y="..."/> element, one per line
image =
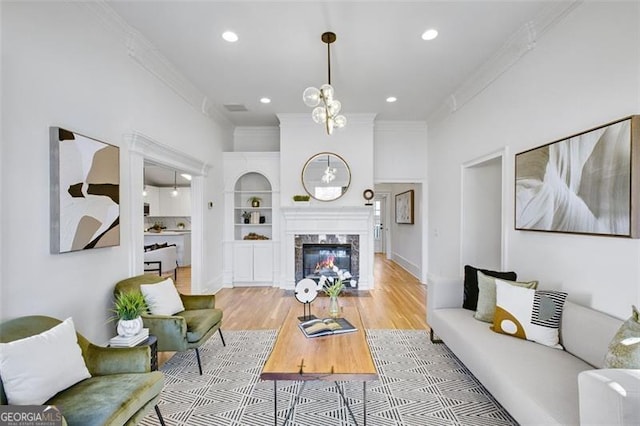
<point x="143" y="52"/>
<point x="304" y="119"/>
<point x="515" y="47"/>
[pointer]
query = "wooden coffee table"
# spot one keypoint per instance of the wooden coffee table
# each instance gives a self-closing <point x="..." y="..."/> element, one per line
<point x="340" y="357"/>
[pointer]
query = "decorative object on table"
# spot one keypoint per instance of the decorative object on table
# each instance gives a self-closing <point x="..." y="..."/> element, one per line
<point x="157" y="227"/>
<point x="84" y="192"/>
<point x="263" y="219"/>
<point x="254" y="236"/>
<point x="128" y="307"/>
<point x="255" y="201"/>
<point x="301" y="199"/>
<point x="404" y="207"/>
<point x="326" y="176"/>
<point x="333" y="286"/>
<point x="326" y="326"/>
<point x="325" y="107"/>
<point x="368" y="196"/>
<point x="624" y="349"/>
<point x="129" y="341"/>
<point x="180" y="225"/>
<point x="588" y="183"/>
<point x="306" y="292"/>
<point x="246" y="217"/>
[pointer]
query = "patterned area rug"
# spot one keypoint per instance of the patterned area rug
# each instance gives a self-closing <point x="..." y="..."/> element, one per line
<point x="420" y="384"/>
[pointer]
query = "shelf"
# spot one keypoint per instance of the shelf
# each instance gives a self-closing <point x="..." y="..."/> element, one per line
<point x="253" y="224"/>
<point x="252" y="208"/>
<point x="257" y="191"/>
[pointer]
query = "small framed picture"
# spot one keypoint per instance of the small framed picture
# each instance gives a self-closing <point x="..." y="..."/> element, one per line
<point x="404" y="207"/>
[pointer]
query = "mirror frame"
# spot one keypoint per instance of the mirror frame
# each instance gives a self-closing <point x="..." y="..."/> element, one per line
<point x="314" y="157"/>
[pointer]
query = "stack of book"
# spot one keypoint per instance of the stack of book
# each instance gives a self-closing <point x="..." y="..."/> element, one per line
<point x="129" y="341"/>
<point x="326" y="326"/>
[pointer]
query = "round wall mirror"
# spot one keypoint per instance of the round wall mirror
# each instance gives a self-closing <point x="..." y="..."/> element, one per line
<point x="326" y="176"/>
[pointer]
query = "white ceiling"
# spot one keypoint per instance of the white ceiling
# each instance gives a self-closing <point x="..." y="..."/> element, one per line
<point x="378" y="52"/>
<point x="161" y="176"/>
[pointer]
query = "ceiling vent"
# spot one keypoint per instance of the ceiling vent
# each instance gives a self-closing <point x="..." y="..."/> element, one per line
<point x="236" y="108"/>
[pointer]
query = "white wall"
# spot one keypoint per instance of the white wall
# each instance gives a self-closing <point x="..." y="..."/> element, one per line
<point x="583" y="72"/>
<point x="406" y="240"/>
<point x="62" y="67"/>
<point x="400" y="151"/>
<point x="301" y="138"/>
<point x="256" y="139"/>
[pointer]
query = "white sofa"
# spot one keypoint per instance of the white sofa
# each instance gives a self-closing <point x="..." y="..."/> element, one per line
<point x="536" y="384"/>
<point x="162" y="260"/>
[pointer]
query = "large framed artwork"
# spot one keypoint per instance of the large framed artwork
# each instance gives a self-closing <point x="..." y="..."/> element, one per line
<point x="404" y="207"/>
<point x="85" y="192"/>
<point x="588" y="183"/>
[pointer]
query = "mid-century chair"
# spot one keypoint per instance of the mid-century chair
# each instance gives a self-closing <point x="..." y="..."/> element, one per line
<point x="184" y="330"/>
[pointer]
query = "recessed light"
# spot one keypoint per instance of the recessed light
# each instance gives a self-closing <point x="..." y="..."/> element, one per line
<point x="265" y="100"/>
<point x="230" y="36"/>
<point x="429" y="34"/>
<point x="391" y="99"/>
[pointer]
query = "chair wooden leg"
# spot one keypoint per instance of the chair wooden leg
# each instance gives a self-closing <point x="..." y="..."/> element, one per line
<point x="159" y="414"/>
<point x="198" y="358"/>
<point x="222" y="337"/>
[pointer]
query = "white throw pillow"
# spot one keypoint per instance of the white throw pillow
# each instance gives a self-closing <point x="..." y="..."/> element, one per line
<point x="162" y="298"/>
<point x="36" y="368"/>
<point x="529" y="314"/>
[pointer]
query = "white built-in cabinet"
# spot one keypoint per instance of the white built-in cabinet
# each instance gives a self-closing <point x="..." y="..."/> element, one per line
<point x="163" y="203"/>
<point x="248" y="176"/>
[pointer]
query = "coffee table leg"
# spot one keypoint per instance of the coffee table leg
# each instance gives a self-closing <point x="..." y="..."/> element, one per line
<point x="275" y="402"/>
<point x="364" y="403"/>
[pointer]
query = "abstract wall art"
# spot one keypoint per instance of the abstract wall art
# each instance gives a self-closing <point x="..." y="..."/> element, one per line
<point x="404" y="207"/>
<point x="85" y="192"/>
<point x="588" y="183"/>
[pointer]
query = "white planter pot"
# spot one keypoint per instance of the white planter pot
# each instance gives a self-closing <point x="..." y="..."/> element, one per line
<point x="128" y="328"/>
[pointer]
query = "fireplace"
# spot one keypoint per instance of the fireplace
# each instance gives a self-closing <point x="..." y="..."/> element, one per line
<point x="320" y="259"/>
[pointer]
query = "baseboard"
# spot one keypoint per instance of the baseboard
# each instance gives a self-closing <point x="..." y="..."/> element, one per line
<point x="407" y="265"/>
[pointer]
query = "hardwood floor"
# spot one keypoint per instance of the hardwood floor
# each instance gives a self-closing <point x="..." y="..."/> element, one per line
<point x="397" y="302"/>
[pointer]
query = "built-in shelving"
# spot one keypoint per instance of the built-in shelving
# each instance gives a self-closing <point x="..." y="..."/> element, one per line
<point x="260" y="219"/>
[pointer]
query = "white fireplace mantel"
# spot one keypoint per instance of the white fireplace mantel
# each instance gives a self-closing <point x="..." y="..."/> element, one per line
<point x="328" y="220"/>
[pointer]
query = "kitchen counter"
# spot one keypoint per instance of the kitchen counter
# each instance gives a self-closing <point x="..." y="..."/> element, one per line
<point x="182" y="240"/>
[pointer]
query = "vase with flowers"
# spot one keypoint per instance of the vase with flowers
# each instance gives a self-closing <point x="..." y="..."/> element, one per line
<point x="332" y="286"/>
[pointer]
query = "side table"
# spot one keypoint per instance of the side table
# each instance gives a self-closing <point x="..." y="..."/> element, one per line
<point x="152" y="342"/>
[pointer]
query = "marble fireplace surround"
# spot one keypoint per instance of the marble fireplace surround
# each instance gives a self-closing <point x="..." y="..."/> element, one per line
<point x="333" y="224"/>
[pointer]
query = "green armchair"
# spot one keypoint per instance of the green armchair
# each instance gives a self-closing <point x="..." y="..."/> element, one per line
<point x="185" y="330"/>
<point x="121" y="390"/>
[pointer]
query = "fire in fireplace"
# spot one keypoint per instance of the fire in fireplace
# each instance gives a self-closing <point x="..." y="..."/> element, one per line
<point x="320" y="259"/>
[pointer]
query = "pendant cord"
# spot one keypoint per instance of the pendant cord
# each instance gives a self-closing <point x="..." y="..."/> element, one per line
<point x="329" y="62"/>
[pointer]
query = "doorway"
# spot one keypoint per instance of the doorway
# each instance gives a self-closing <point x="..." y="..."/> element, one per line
<point x="483" y="217"/>
<point x="380" y="223"/>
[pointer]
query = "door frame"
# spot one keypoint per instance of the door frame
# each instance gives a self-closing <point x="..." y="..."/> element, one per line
<point x="143" y="148"/>
<point x="386" y="228"/>
<point x="502" y="154"/>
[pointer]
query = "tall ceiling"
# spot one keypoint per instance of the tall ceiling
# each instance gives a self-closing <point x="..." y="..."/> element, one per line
<point x="378" y="53"/>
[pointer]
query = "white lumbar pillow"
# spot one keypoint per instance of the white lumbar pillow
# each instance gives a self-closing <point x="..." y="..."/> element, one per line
<point x="36" y="368"/>
<point x="162" y="298"/>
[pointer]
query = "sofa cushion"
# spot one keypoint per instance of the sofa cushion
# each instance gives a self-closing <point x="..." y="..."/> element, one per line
<point x="37" y="367"/>
<point x="162" y="298"/>
<point x="199" y="322"/>
<point x="487" y="295"/>
<point x="624" y="349"/>
<point x="107" y="400"/>
<point x="470" y="300"/>
<point x="529" y="314"/>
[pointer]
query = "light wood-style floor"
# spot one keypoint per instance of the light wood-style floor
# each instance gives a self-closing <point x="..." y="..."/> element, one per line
<point x="397" y="302"/>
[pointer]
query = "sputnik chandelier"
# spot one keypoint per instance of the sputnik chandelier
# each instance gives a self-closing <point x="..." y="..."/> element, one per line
<point x="326" y="107"/>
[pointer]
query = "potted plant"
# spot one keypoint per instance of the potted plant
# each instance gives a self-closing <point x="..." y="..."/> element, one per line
<point x="157" y="227"/>
<point x="127" y="309"/>
<point x="255" y="201"/>
<point x="246" y="216"/>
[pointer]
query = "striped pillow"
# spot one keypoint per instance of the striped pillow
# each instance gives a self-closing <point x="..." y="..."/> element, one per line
<point x="529" y="314"/>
